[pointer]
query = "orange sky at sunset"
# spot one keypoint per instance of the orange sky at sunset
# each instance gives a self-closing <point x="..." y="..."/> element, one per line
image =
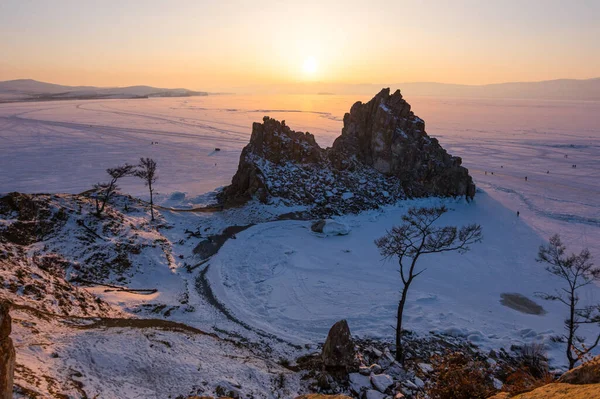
<point x="205" y="45"/>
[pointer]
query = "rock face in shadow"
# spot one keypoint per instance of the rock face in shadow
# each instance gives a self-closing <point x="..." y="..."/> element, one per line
<point x="383" y="155"/>
<point x="271" y="143"/>
<point x="7" y="353"/>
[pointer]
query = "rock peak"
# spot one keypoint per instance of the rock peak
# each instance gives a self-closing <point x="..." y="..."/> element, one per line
<point x="382" y="155"/>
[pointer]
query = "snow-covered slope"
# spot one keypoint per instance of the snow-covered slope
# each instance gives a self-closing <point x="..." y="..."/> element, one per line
<point x="57" y="357"/>
<point x="58" y="260"/>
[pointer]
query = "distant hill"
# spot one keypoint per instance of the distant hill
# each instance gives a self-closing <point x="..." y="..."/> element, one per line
<point x="561" y="89"/>
<point x="33" y="90"/>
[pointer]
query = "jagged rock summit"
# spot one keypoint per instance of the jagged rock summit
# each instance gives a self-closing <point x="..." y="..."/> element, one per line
<point x="382" y="155"/>
<point x="385" y="134"/>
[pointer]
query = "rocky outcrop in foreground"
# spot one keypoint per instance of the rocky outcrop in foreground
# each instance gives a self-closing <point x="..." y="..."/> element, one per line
<point x="587" y="373"/>
<point x="7" y="353"/>
<point x="383" y="155"/>
<point x="582" y="382"/>
<point x="338" y="350"/>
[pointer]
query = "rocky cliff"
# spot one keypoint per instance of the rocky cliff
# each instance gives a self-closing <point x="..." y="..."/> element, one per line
<point x="386" y="135"/>
<point x="383" y="154"/>
<point x="7" y="353"/>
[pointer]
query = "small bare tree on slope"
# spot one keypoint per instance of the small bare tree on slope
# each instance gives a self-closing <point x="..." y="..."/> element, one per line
<point x="104" y="191"/>
<point x="577" y="271"/>
<point x="147" y="172"/>
<point x="418" y="236"/>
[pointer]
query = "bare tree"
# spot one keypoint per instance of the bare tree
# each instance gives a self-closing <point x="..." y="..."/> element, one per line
<point x="147" y="172"/>
<point x="418" y="236"/>
<point x="104" y="191"/>
<point x="577" y="271"/>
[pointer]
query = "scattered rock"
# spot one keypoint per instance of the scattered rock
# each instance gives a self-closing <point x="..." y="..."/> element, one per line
<point x="375" y="369"/>
<point x="396" y="371"/>
<point x="373" y="394"/>
<point x="374" y="351"/>
<point x="419" y="382"/>
<point x="320" y="396"/>
<point x="425" y="367"/>
<point x="381" y="382"/>
<point x="359" y="383"/>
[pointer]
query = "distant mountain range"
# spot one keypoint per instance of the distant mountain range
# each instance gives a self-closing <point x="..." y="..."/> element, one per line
<point x="561" y="89"/>
<point x="32" y="90"/>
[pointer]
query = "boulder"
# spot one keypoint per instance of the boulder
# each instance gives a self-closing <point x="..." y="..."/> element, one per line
<point x="330" y="227"/>
<point x="587" y="373"/>
<point x="381" y="382"/>
<point x="338" y="350"/>
<point x="7" y="353"/>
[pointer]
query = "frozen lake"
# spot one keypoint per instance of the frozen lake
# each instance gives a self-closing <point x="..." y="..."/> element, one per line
<point x="278" y="276"/>
<point x="66" y="146"/>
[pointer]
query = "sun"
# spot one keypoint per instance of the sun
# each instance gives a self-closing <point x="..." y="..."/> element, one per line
<point x="310" y="66"/>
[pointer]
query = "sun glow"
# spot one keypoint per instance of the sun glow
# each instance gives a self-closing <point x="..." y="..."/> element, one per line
<point x="309" y="67"/>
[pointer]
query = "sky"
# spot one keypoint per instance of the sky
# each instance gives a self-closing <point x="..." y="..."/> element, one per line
<point x="208" y="45"/>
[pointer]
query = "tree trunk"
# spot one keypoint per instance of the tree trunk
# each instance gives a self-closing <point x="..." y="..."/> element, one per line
<point x="151" y="203"/>
<point x="399" y="349"/>
<point x="104" y="201"/>
<point x="571" y="327"/>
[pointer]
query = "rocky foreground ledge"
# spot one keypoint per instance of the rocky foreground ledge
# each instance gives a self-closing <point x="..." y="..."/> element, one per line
<point x="7" y="353"/>
<point x="382" y="155"/>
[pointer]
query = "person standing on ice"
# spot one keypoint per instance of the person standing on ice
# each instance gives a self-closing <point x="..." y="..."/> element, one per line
<point x="518" y="213"/>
